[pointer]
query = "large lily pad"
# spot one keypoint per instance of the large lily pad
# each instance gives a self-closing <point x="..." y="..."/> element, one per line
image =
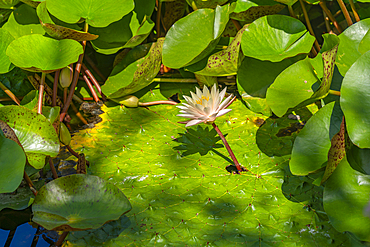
<point x="97" y="13"/>
<point x="350" y="39"/>
<point x="193" y="200"/>
<point x="40" y="53"/>
<point x="5" y="39"/>
<point x="186" y="43"/>
<point x="311" y="147"/>
<point x="276" y="37"/>
<point x="12" y="162"/>
<point x="34" y="131"/>
<point x="78" y="202"/>
<point x="355" y="101"/>
<point x="291" y="87"/>
<point x="346" y="195"/>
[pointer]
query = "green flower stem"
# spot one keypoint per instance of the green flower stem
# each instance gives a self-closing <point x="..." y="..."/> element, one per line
<point x="317" y="46"/>
<point x="55" y="88"/>
<point x="160" y="102"/>
<point x="41" y="93"/>
<point x="357" y="17"/>
<point x="333" y="92"/>
<point x="10" y="94"/>
<point x="345" y="12"/>
<point x="291" y="11"/>
<point x="330" y="15"/>
<point x="227" y="147"/>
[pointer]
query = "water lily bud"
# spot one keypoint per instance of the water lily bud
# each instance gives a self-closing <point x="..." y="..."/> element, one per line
<point x="66" y="76"/>
<point x="64" y="135"/>
<point x="130" y="101"/>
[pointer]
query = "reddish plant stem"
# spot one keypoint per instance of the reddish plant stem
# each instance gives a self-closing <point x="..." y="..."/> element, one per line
<point x="73" y="85"/>
<point x="355" y="13"/>
<point x="55" y="88"/>
<point x="91" y="88"/>
<point x="236" y="24"/>
<point x="61" y="239"/>
<point x="308" y="23"/>
<point x="227" y="147"/>
<point x="10" y="94"/>
<point x="160" y="102"/>
<point x="65" y="94"/>
<point x="345" y="12"/>
<point x="94" y="81"/>
<point x="72" y="152"/>
<point x="75" y="79"/>
<point x="41" y="93"/>
<point x="52" y="168"/>
<point x="29" y="182"/>
<point x="331" y="17"/>
<point x="93" y="66"/>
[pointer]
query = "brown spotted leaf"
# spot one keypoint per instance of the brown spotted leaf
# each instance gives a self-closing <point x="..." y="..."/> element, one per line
<point x="59" y="32"/>
<point x="9" y="133"/>
<point x="222" y="63"/>
<point x="336" y="152"/>
<point x="256" y="12"/>
<point x="144" y="74"/>
<point x="173" y="11"/>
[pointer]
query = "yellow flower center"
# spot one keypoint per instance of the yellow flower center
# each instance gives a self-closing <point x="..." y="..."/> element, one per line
<point x="199" y="101"/>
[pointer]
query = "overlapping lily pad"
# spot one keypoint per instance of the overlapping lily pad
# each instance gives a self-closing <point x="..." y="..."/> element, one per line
<point x="34" y="131"/>
<point x="276" y="37"/>
<point x="193" y="199"/>
<point x="183" y="48"/>
<point x="78" y="202"/>
<point x="5" y="39"/>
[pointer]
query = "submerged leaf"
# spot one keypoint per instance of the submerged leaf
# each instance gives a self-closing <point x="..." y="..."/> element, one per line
<point x="78" y="202"/>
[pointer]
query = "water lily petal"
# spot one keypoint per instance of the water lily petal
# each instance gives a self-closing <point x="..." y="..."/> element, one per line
<point x="226" y="101"/>
<point x="206" y="92"/>
<point x="186" y="115"/>
<point x="193" y="122"/>
<point x="223" y="112"/>
<point x="199" y="93"/>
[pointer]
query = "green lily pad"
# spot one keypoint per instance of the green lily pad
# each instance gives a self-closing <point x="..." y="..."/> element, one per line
<point x="311" y="147"/>
<point x="193" y="199"/>
<point x="291" y="87"/>
<point x="182" y="48"/>
<point x="350" y="39"/>
<point x="144" y="72"/>
<point x="255" y="76"/>
<point x="34" y="131"/>
<point x="5" y="39"/>
<point x="276" y="37"/>
<point x="23" y="21"/>
<point x="346" y="195"/>
<point x="40" y="53"/>
<point x="17" y="82"/>
<point x="11" y="164"/>
<point x="355" y="102"/>
<point x="78" y="202"/>
<point x="358" y="158"/>
<point x="96" y="13"/>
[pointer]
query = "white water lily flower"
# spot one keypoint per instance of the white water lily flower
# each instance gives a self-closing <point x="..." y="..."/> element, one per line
<point x="204" y="107"/>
